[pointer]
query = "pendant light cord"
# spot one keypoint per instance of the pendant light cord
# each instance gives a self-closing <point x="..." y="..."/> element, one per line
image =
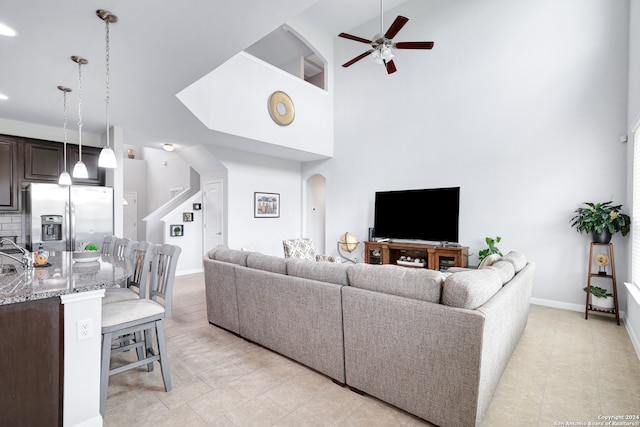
<point x="108" y="88"/>
<point x="80" y="109"/>
<point x="64" y="128"/>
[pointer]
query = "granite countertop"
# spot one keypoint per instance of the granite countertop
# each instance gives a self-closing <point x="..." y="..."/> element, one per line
<point x="62" y="276"/>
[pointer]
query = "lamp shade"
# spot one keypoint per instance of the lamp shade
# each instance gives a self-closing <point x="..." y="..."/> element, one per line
<point x="65" y="178"/>
<point x="80" y="171"/>
<point x="107" y="158"/>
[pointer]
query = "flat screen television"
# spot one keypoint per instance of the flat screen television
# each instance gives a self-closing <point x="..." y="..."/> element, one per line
<point x="429" y="215"/>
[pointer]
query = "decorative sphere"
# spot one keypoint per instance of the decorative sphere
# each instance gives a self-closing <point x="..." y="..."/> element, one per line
<point x="348" y="242"/>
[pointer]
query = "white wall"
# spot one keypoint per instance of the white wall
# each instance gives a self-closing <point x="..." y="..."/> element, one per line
<point x="248" y="173"/>
<point x="135" y="179"/>
<point x="190" y="259"/>
<point x="521" y="104"/>
<point x="244" y="84"/>
<point x="162" y="177"/>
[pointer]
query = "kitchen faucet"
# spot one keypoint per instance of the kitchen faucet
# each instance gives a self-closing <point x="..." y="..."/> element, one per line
<point x="27" y="259"/>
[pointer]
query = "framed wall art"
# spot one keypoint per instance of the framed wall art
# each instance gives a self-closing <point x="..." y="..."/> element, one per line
<point x="176" y="230"/>
<point x="187" y="216"/>
<point x="266" y="205"/>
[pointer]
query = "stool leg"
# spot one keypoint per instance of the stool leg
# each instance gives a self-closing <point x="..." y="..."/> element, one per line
<point x="148" y="347"/>
<point x="164" y="361"/>
<point x="104" y="370"/>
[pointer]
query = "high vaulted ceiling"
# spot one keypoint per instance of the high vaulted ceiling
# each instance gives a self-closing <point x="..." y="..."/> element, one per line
<point x="157" y="49"/>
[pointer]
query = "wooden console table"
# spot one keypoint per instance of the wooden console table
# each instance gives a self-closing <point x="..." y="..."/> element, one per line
<point x="436" y="257"/>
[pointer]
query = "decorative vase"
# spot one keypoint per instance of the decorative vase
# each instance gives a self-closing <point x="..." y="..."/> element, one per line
<point x="604" y="304"/>
<point x="604" y="237"/>
<point x="131" y="153"/>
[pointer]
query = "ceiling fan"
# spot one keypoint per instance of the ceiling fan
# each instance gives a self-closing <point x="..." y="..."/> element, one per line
<point x="381" y="45"/>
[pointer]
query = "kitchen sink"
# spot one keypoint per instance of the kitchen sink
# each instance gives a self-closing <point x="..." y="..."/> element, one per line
<point x="6" y="269"/>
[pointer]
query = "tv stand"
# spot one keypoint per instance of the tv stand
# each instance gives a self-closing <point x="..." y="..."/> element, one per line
<point x="437" y="257"/>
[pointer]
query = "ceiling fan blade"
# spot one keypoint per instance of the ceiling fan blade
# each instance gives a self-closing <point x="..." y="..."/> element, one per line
<point x="357" y="58"/>
<point x="396" y="26"/>
<point x="356" y="38"/>
<point x="413" y="45"/>
<point x="391" y="67"/>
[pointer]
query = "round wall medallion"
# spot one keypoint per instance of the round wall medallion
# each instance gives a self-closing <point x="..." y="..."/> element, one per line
<point x="281" y="108"/>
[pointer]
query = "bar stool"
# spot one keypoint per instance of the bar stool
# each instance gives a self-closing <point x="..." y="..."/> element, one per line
<point x="136" y="286"/>
<point x="128" y="324"/>
<point x="107" y="245"/>
<point x="122" y="247"/>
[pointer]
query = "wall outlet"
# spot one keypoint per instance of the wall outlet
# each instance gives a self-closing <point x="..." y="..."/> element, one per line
<point x="85" y="329"/>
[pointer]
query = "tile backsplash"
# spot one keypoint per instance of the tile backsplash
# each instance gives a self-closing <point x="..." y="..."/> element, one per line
<point x="11" y="227"/>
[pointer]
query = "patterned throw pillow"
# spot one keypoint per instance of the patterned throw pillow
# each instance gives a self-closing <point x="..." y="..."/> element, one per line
<point x="299" y="248"/>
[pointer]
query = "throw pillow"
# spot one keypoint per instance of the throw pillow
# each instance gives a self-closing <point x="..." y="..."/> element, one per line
<point x="470" y="289"/>
<point x="517" y="259"/>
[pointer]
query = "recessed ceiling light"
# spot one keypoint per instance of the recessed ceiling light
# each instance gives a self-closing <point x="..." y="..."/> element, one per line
<point x="3" y="97"/>
<point x="5" y="30"/>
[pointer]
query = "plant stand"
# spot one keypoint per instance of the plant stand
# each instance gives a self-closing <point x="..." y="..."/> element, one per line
<point x="611" y="276"/>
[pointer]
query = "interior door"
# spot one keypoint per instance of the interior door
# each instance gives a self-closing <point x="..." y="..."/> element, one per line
<point x="213" y="214"/>
<point x="130" y="215"/>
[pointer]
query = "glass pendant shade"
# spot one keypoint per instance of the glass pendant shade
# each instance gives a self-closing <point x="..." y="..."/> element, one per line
<point x="65" y="178"/>
<point x="107" y="158"/>
<point x="386" y="54"/>
<point x="80" y="170"/>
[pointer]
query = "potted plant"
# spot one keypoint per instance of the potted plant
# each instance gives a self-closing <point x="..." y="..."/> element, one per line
<point x="601" y="299"/>
<point x="492" y="248"/>
<point x="602" y="220"/>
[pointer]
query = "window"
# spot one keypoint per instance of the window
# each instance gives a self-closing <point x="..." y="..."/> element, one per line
<point x="635" y="211"/>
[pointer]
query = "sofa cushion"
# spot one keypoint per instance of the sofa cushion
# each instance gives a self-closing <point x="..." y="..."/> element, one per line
<point x="470" y="289"/>
<point x="211" y="254"/>
<point x="489" y="260"/>
<point x="231" y="255"/>
<point x="264" y="262"/>
<point x="517" y="259"/>
<point x="504" y="269"/>
<point x="416" y="283"/>
<point x="329" y="272"/>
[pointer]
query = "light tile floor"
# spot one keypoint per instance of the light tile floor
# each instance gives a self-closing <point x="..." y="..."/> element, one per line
<point x="565" y="369"/>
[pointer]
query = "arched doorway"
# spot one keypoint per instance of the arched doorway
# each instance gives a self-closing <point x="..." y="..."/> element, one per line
<point x="315" y="211"/>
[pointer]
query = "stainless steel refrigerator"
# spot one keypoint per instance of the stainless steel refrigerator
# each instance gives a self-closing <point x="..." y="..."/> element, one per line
<point x="62" y="217"/>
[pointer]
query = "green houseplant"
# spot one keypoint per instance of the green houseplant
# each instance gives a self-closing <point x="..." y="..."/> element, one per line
<point x="600" y="298"/>
<point x="491" y="249"/>
<point x="602" y="219"/>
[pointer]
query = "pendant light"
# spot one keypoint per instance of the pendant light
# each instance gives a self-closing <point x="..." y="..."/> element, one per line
<point x="107" y="157"/>
<point x="65" y="178"/>
<point x="80" y="170"/>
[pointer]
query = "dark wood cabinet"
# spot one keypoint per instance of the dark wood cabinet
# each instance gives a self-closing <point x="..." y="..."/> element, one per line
<point x="43" y="161"/>
<point x="31" y="365"/>
<point x="90" y="157"/>
<point x="9" y="190"/>
<point x="432" y="256"/>
<point x="24" y="160"/>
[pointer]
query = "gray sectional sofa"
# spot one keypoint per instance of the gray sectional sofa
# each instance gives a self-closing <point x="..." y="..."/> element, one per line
<point x="431" y="343"/>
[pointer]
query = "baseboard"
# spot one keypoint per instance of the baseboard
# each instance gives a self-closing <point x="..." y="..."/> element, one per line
<point x="92" y="422"/>
<point x="185" y="272"/>
<point x="557" y="304"/>
<point x="634" y="338"/>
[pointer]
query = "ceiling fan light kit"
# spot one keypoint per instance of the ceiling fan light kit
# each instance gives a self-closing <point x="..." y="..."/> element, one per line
<point x="381" y="45"/>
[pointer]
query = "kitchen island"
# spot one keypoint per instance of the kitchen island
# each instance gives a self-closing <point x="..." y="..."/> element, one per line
<point x="50" y="326"/>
